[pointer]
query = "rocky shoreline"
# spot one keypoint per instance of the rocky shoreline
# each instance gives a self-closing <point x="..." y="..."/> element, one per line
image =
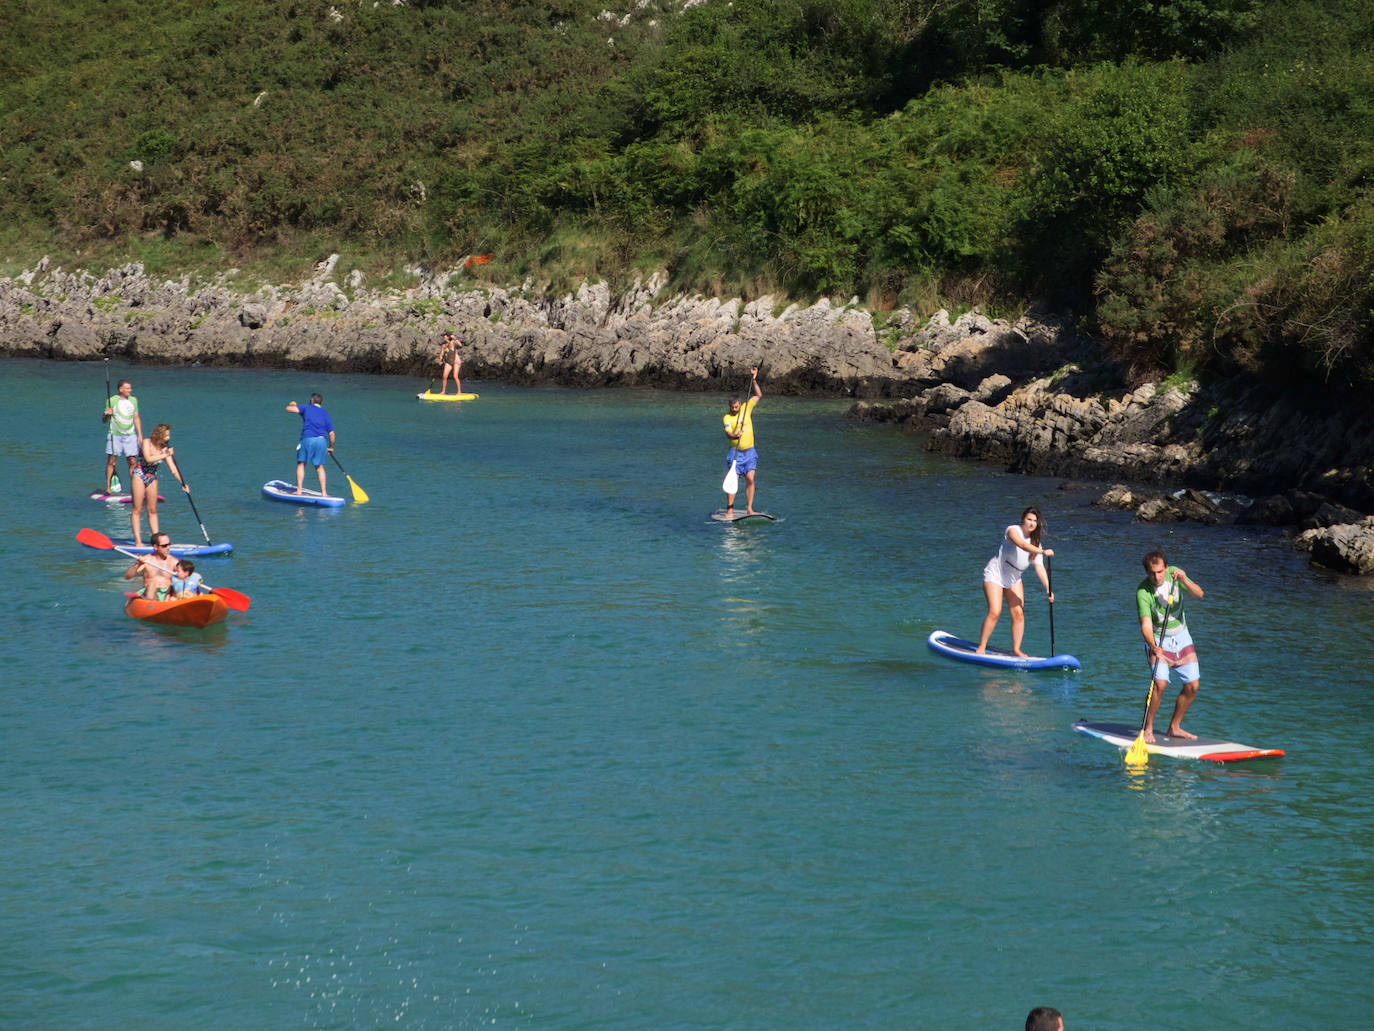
<point x="1032" y="396"/>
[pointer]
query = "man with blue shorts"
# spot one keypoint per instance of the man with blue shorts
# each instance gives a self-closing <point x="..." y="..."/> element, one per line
<point x="1159" y="603"/>
<point x="126" y="430"/>
<point x="739" y="427"/>
<point x="317" y="440"/>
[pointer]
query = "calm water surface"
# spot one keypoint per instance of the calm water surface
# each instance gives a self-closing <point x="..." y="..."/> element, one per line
<point x="527" y="741"/>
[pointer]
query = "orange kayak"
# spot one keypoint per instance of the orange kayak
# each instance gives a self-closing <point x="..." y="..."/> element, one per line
<point x="199" y="610"/>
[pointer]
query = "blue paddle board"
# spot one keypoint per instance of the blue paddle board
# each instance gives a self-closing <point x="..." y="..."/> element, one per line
<point x="188" y="550"/>
<point x="966" y="651"/>
<point x="1207" y="749"/>
<point x="280" y="490"/>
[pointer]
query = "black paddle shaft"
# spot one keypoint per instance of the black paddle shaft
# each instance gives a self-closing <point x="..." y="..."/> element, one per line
<point x="1049" y="579"/>
<point x="108" y="395"/>
<point x="1159" y="643"/>
<point x="203" y="532"/>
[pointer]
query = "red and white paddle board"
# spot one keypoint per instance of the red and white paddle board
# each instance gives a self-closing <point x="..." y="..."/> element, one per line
<point x="1207" y="749"/>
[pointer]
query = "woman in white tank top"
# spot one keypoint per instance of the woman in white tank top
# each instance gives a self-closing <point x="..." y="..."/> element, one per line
<point x="1002" y="577"/>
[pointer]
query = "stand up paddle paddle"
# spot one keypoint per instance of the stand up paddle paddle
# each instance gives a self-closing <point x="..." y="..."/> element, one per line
<point x="94" y="539"/>
<point x="187" y="492"/>
<point x="206" y="534"/>
<point x="359" y="495"/>
<point x="114" y="486"/>
<point x="1138" y="753"/>
<point x="1049" y="582"/>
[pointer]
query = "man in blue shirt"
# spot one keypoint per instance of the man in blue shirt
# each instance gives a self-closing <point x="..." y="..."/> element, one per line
<point x="317" y="440"/>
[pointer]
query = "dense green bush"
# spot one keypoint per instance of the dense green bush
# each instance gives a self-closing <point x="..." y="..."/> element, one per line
<point x="1191" y="175"/>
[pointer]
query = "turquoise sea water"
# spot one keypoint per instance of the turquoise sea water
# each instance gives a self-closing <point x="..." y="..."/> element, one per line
<point x="527" y="741"/>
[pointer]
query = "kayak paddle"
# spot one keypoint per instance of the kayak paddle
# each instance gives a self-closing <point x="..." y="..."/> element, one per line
<point x="359" y="495"/>
<point x="1138" y="753"/>
<point x="94" y="539"/>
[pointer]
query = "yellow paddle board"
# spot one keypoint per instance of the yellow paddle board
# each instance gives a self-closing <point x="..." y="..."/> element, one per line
<point x="427" y="396"/>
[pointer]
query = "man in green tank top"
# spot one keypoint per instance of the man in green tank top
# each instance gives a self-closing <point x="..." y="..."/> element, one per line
<point x="125" y="432"/>
<point x="1169" y="646"/>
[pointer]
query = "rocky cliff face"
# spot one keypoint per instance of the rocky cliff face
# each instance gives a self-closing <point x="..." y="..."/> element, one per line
<point x="1031" y="395"/>
<point x="517" y="336"/>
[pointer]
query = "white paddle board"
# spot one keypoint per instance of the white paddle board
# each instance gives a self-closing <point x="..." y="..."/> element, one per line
<point x="1208" y="749"/>
<point x="739" y="516"/>
<point x="118" y="499"/>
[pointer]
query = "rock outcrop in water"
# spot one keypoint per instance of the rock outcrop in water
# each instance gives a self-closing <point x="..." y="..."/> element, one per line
<point x="1308" y="459"/>
<point x="1032" y="396"/>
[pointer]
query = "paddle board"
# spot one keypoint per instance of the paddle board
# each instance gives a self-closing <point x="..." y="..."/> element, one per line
<point x="1208" y="749"/>
<point x="280" y="490"/>
<point x="427" y="396"/>
<point x="189" y="550"/>
<point x="738" y="516"/>
<point x="966" y="651"/>
<point x="119" y="499"/>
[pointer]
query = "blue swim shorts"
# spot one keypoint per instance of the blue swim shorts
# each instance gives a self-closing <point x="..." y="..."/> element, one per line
<point x="745" y="461"/>
<point x="312" y="450"/>
<point x="126" y="445"/>
<point x="1181" y="657"/>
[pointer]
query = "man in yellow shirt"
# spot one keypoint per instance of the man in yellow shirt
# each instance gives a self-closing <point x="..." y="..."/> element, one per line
<point x="739" y="427"/>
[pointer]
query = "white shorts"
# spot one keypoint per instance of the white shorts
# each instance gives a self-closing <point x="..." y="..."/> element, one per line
<point x="999" y="573"/>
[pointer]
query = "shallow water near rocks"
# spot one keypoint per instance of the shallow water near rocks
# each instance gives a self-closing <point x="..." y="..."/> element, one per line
<point x="528" y="740"/>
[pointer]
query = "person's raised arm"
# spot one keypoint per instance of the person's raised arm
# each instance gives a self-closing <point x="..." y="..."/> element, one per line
<point x="291" y="406"/>
<point x="1181" y="577"/>
<point x="1019" y="539"/>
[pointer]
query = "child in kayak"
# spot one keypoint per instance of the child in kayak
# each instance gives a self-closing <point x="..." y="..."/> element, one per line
<point x="185" y="580"/>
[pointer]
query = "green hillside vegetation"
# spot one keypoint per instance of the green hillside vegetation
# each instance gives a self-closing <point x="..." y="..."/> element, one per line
<point x="1193" y="177"/>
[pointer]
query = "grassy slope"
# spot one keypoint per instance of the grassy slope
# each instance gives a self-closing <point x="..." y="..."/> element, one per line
<point x="1214" y="212"/>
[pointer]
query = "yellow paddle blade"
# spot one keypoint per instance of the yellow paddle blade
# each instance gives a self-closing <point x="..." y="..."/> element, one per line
<point x="359" y="495"/>
<point x="1138" y="754"/>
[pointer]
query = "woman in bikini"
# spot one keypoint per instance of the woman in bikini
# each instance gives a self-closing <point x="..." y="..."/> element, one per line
<point x="154" y="451"/>
<point x="450" y="360"/>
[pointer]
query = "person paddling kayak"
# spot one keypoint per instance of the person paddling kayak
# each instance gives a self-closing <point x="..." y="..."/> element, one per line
<point x="157" y="574"/>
